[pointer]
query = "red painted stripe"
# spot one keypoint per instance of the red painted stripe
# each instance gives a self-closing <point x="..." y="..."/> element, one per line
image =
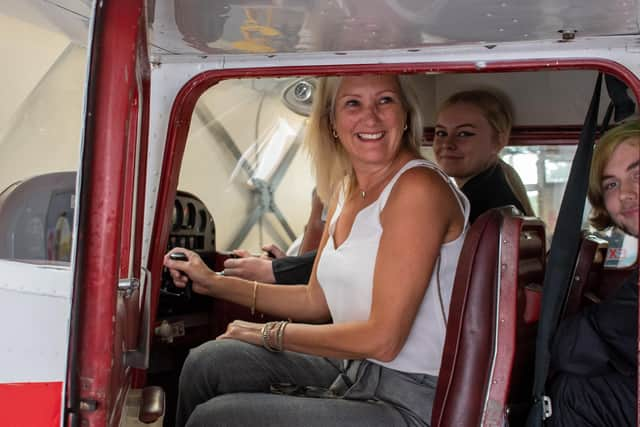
<point x="30" y="404"/>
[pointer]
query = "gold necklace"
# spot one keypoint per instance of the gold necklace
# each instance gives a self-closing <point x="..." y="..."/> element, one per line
<point x="363" y="193"/>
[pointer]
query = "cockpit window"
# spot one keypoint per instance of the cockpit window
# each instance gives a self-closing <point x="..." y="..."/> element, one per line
<point x="252" y="131"/>
<point x="259" y="191"/>
<point x="40" y="122"/>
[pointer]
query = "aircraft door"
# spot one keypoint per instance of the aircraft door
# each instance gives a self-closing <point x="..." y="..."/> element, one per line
<point x="111" y="313"/>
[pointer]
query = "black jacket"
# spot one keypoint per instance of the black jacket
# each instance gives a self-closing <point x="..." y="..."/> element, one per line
<point x="602" y="337"/>
<point x="293" y="270"/>
<point x="488" y="190"/>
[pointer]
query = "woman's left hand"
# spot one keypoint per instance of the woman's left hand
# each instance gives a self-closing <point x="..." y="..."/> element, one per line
<point x="244" y="331"/>
<point x="193" y="268"/>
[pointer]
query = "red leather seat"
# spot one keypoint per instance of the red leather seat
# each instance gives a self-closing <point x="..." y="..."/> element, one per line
<point x="490" y="339"/>
<point x="586" y="274"/>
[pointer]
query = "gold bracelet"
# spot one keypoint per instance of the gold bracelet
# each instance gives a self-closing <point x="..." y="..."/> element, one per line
<point x="253" y="298"/>
<point x="265" y="334"/>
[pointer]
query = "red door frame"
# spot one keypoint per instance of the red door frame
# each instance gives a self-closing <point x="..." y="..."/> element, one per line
<point x="98" y="377"/>
<point x="184" y="103"/>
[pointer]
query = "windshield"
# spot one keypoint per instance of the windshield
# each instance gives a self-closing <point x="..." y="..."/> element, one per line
<point x="259" y="191"/>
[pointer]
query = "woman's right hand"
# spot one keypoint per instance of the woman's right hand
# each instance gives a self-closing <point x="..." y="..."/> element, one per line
<point x="193" y="269"/>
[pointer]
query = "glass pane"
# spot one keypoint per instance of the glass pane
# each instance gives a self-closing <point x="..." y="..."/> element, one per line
<point x="541" y="168"/>
<point x="259" y="191"/>
<point x="554" y="164"/>
<point x="40" y="124"/>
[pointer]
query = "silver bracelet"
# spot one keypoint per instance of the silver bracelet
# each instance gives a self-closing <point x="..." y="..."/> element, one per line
<point x="280" y="335"/>
<point x="266" y="332"/>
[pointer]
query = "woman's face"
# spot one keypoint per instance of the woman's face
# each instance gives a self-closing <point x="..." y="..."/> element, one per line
<point x="464" y="144"/>
<point x="369" y="118"/>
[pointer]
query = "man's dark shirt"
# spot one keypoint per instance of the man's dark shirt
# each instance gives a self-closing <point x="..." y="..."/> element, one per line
<point x="602" y="337"/>
<point x="484" y="191"/>
<point x="488" y="190"/>
<point x="293" y="270"/>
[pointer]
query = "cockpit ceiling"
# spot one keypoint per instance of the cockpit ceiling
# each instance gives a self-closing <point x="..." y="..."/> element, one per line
<point x="196" y="27"/>
<point x="187" y="27"/>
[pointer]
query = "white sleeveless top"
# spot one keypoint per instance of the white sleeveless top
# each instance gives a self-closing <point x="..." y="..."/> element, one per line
<point x="346" y="277"/>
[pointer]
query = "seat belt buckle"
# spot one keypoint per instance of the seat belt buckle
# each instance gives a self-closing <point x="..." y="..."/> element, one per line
<point x="546" y="408"/>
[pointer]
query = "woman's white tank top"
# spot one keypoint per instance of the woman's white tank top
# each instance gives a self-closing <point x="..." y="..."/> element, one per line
<point x="346" y="277"/>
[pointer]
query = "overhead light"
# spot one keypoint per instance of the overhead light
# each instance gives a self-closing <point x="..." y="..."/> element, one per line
<point x="299" y="96"/>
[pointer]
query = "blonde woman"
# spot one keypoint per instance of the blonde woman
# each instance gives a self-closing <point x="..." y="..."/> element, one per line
<point x="383" y="278"/>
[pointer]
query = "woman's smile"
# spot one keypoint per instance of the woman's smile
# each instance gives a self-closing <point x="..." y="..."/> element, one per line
<point x="370" y="136"/>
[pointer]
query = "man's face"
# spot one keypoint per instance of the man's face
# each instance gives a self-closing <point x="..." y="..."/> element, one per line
<point x="620" y="185"/>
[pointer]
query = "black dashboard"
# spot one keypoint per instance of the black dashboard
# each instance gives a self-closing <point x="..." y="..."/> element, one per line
<point x="193" y="228"/>
<point x="192" y="225"/>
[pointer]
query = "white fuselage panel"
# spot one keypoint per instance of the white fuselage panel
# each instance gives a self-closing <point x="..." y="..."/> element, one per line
<point x="34" y="298"/>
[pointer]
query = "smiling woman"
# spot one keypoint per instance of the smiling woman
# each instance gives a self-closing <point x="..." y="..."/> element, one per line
<point x="390" y="102"/>
<point x="369" y="120"/>
<point x="388" y="318"/>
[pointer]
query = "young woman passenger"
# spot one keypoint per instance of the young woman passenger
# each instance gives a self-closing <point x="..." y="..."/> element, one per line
<point x="383" y="275"/>
<point x="471" y="129"/>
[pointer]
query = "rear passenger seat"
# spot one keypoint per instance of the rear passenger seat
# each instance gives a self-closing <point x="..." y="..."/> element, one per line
<point x="587" y="274"/>
<point x="489" y="347"/>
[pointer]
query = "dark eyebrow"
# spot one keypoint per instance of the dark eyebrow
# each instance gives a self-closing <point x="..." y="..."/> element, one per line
<point x="345" y="95"/>
<point x="356" y="95"/>
<point x="631" y="166"/>
<point x="459" y="126"/>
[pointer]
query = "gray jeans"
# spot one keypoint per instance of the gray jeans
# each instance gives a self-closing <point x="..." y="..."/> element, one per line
<point x="227" y="383"/>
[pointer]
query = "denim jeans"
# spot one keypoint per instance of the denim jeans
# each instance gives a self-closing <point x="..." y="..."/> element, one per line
<point x="228" y="383"/>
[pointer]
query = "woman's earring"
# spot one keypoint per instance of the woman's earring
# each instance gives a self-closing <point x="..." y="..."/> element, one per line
<point x="334" y="133"/>
<point x="405" y="127"/>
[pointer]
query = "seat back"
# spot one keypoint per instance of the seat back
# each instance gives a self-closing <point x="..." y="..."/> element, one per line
<point x="586" y="274"/>
<point x="36" y="218"/>
<point x="492" y="319"/>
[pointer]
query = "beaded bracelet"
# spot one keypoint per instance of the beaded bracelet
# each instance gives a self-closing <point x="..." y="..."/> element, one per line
<point x="279" y="327"/>
<point x="266" y="333"/>
<point x="280" y="335"/>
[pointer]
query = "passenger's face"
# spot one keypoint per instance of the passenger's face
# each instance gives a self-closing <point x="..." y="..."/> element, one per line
<point x="620" y="181"/>
<point x="369" y="118"/>
<point x="465" y="144"/>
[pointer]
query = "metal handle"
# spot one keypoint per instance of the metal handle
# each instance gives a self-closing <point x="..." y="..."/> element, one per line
<point x="139" y="358"/>
<point x="128" y="286"/>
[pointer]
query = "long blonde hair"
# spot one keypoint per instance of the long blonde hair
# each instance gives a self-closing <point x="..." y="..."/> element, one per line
<point x="331" y="164"/>
<point x="517" y="187"/>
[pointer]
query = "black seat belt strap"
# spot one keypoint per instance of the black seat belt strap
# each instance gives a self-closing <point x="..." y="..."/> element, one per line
<point x="564" y="247"/>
